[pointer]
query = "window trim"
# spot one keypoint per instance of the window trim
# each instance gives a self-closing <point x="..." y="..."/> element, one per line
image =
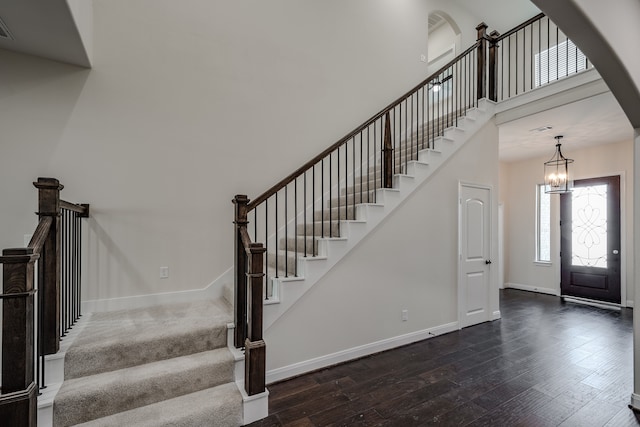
<point x="537" y="259"/>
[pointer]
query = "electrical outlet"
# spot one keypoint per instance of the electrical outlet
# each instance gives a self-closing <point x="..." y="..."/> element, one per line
<point x="423" y="57"/>
<point x="405" y="315"/>
<point x="164" y="272"/>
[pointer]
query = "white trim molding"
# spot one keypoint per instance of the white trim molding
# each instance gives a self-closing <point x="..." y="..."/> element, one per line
<point x="214" y="290"/>
<point x="314" y="364"/>
<point x="530" y="288"/>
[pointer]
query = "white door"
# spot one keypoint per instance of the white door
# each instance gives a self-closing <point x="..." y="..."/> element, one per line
<point x="475" y="249"/>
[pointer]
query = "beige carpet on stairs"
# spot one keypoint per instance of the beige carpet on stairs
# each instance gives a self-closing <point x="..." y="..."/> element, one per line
<point x="160" y="366"/>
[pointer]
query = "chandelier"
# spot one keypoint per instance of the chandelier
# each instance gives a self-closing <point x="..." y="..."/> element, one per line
<point x="556" y="172"/>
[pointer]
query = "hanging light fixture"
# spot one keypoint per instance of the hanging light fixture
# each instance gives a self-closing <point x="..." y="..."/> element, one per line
<point x="436" y="85"/>
<point x="556" y="172"/>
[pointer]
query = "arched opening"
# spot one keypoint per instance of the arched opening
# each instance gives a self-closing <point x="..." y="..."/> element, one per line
<point x="443" y="42"/>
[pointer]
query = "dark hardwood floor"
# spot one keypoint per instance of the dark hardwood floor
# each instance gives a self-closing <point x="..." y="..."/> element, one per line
<point x="545" y="363"/>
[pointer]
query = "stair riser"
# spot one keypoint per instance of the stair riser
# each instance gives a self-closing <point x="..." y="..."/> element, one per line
<point x="330" y="230"/>
<point x="286" y="264"/>
<point x="293" y="244"/>
<point x="365" y="197"/>
<point x="335" y="214"/>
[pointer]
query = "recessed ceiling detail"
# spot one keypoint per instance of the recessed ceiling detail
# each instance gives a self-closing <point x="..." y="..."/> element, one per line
<point x="4" y="31"/>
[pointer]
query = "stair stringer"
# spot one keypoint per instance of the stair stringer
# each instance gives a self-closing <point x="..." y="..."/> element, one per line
<point x="287" y="290"/>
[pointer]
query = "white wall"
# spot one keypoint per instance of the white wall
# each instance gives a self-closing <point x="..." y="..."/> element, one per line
<point x="520" y="179"/>
<point x="408" y="262"/>
<point x="189" y="103"/>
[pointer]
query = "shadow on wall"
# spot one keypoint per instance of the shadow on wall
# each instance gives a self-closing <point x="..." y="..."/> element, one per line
<point x="107" y="265"/>
<point x="37" y="99"/>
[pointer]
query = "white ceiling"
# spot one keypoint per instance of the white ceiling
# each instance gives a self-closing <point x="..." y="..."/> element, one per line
<point x="43" y="28"/>
<point x="592" y="121"/>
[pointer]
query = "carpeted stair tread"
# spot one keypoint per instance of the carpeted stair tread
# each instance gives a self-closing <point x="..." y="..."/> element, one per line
<point x="125" y="338"/>
<point x="95" y="396"/>
<point x="220" y="406"/>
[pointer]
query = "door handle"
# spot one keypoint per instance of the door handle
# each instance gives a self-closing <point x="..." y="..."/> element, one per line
<point x="488" y="261"/>
<point x="615" y="252"/>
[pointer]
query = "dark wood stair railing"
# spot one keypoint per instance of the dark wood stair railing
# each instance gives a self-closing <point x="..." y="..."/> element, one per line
<point x="310" y="203"/>
<point x="345" y="174"/>
<point x="33" y="302"/>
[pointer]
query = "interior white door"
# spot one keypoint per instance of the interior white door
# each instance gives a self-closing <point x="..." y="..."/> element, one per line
<point x="474" y="267"/>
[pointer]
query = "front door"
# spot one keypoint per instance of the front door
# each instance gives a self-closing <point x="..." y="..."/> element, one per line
<point x="475" y="247"/>
<point x="590" y="240"/>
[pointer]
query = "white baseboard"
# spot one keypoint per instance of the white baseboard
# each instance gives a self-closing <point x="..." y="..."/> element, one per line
<point x="530" y="288"/>
<point x="635" y="401"/>
<point x="630" y="303"/>
<point x="314" y="364"/>
<point x="254" y="407"/>
<point x="214" y="290"/>
<point x="496" y="315"/>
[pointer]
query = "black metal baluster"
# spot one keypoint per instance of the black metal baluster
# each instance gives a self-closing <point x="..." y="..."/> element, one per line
<point x="557" y="53"/>
<point x="346" y="190"/>
<point x="266" y="246"/>
<point x="566" y="61"/>
<point x="502" y="63"/>
<point x="79" y="268"/>
<point x="422" y="123"/>
<point x="369" y="165"/>
<point x="330" y="192"/>
<point x="346" y="180"/>
<point x="532" y="56"/>
<point x="305" y="213"/>
<point x="361" y="173"/>
<point x="393" y="132"/>
<point x="313" y="209"/>
<point x="295" y="225"/>
<point x="353" y="173"/>
<point x="276" y="243"/>
<point x="548" y="51"/>
<point x="516" y="61"/>
<point x="322" y="195"/>
<point x="406" y="133"/>
<point x="375" y="163"/>
<point x="286" y="233"/>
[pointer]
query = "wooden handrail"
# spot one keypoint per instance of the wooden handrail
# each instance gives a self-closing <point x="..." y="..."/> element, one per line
<point x="246" y="240"/>
<point x="308" y="165"/>
<point x="40" y="235"/>
<point x="519" y="27"/>
<point x="82" y="209"/>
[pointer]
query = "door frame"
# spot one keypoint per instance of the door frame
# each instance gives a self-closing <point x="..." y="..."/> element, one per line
<point x="493" y="311"/>
<point x="623" y="236"/>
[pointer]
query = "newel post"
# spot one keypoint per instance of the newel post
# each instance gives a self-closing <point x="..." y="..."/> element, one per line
<point x="255" y="348"/>
<point x="387" y="152"/>
<point x="240" y="269"/>
<point x="493" y="68"/>
<point x="18" y="401"/>
<point x="482" y="70"/>
<point x="49" y="205"/>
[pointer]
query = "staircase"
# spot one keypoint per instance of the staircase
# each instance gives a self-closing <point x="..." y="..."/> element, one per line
<point x="160" y="366"/>
<point x="362" y="207"/>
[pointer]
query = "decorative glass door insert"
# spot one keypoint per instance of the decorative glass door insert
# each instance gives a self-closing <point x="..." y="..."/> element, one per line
<point x="589" y="226"/>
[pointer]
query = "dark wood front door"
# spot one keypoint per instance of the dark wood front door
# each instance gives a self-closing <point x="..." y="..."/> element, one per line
<point x="590" y="240"/>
